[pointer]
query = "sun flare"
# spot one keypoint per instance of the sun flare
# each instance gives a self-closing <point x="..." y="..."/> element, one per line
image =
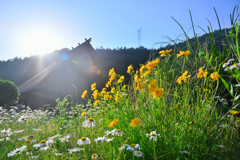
<point x="39" y="43"/>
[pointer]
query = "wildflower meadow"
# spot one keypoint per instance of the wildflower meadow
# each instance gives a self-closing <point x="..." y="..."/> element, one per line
<point x="172" y="109"/>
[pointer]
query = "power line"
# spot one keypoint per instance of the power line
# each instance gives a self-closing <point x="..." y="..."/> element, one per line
<point x="139" y="36"/>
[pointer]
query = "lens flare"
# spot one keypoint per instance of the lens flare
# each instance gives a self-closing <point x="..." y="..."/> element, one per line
<point x="92" y="68"/>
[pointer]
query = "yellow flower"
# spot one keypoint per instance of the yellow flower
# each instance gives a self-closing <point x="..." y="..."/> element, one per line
<point x="234" y="112"/>
<point x="157" y="93"/>
<point x="138" y="87"/>
<point x="117" y="96"/>
<point x="113" y="123"/>
<point x="165" y="53"/>
<point x="153" y="63"/>
<point x="214" y="76"/>
<point x="124" y="87"/>
<point x="205" y="90"/>
<point x="141" y="86"/>
<point x="95" y="94"/>
<point x="93" y="86"/>
<point x="84" y="94"/>
<point x="83" y="114"/>
<point x="112" y="90"/>
<point x="130" y="67"/>
<point x="135" y="122"/>
<point x="113" y="76"/>
<point x="184" y="78"/>
<point x="103" y="92"/>
<point x="106" y="97"/>
<point x="151" y="85"/>
<point x="121" y="79"/>
<point x="182" y="53"/>
<point x="136" y="78"/>
<point x="108" y="84"/>
<point x="110" y="97"/>
<point x="145" y="81"/>
<point x="141" y="69"/>
<point x="111" y="71"/>
<point x="202" y="73"/>
<point x="96" y="102"/>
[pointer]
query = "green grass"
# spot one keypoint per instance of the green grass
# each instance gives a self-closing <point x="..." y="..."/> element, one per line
<point x="189" y="120"/>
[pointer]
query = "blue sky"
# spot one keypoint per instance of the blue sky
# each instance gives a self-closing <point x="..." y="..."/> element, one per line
<point x="39" y="27"/>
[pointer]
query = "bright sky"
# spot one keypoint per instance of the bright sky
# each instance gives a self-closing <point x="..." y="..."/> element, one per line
<point x="39" y="27"/>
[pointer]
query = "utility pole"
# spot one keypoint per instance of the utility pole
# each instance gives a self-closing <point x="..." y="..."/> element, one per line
<point x="139" y="37"/>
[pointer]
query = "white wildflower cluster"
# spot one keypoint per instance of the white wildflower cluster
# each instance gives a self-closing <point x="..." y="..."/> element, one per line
<point x="6" y="132"/>
<point x="227" y="67"/>
<point x="222" y="100"/>
<point x="17" y="151"/>
<point x="135" y="148"/>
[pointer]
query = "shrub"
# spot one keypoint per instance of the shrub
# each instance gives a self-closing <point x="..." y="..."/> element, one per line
<point x="9" y="93"/>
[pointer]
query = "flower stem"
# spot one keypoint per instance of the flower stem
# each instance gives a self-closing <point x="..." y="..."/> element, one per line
<point x="155" y="157"/>
<point x="85" y="152"/>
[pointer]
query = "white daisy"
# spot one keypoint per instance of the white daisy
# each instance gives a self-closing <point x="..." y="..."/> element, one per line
<point x="58" y="154"/>
<point x="34" y="157"/>
<point x="183" y="152"/>
<point x="6" y="132"/>
<point x="223" y="147"/>
<point x="75" y="150"/>
<point x="6" y="139"/>
<point x="227" y="63"/>
<point x="84" y="141"/>
<point x="111" y="132"/>
<point x="237" y="65"/>
<point x="132" y="147"/>
<point x="119" y="132"/>
<point x="54" y="136"/>
<point x="23" y="138"/>
<point x="153" y="135"/>
<point x="94" y="156"/>
<point x="109" y="139"/>
<point x="122" y="148"/>
<point x="138" y="153"/>
<point x="223" y="125"/>
<point x="18" y="131"/>
<point x="65" y="139"/>
<point x="44" y="148"/>
<point x="90" y="122"/>
<point x="36" y="129"/>
<point x="100" y="139"/>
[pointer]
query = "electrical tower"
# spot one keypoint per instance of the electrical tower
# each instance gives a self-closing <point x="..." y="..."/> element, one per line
<point x="139" y="37"/>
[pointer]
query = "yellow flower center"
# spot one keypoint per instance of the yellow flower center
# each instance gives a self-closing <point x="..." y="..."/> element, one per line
<point x="153" y="134"/>
<point x="132" y="145"/>
<point x="95" y="132"/>
<point x="28" y="141"/>
<point x="90" y="119"/>
<point x="43" y="141"/>
<point x="31" y="136"/>
<point x="138" y="152"/>
<point x="83" y="138"/>
<point x="119" y="130"/>
<point x="29" y="150"/>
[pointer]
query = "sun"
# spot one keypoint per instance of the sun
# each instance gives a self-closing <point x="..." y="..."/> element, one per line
<point x="39" y="43"/>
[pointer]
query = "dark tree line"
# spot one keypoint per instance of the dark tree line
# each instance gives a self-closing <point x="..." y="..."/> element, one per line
<point x="19" y="70"/>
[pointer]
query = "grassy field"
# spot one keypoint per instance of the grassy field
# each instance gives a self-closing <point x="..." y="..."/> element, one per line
<point x="172" y="110"/>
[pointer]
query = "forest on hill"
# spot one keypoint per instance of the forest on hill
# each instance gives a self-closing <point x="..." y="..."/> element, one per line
<point x="19" y="70"/>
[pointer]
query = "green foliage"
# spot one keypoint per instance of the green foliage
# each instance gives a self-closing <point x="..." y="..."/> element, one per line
<point x="9" y="93"/>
